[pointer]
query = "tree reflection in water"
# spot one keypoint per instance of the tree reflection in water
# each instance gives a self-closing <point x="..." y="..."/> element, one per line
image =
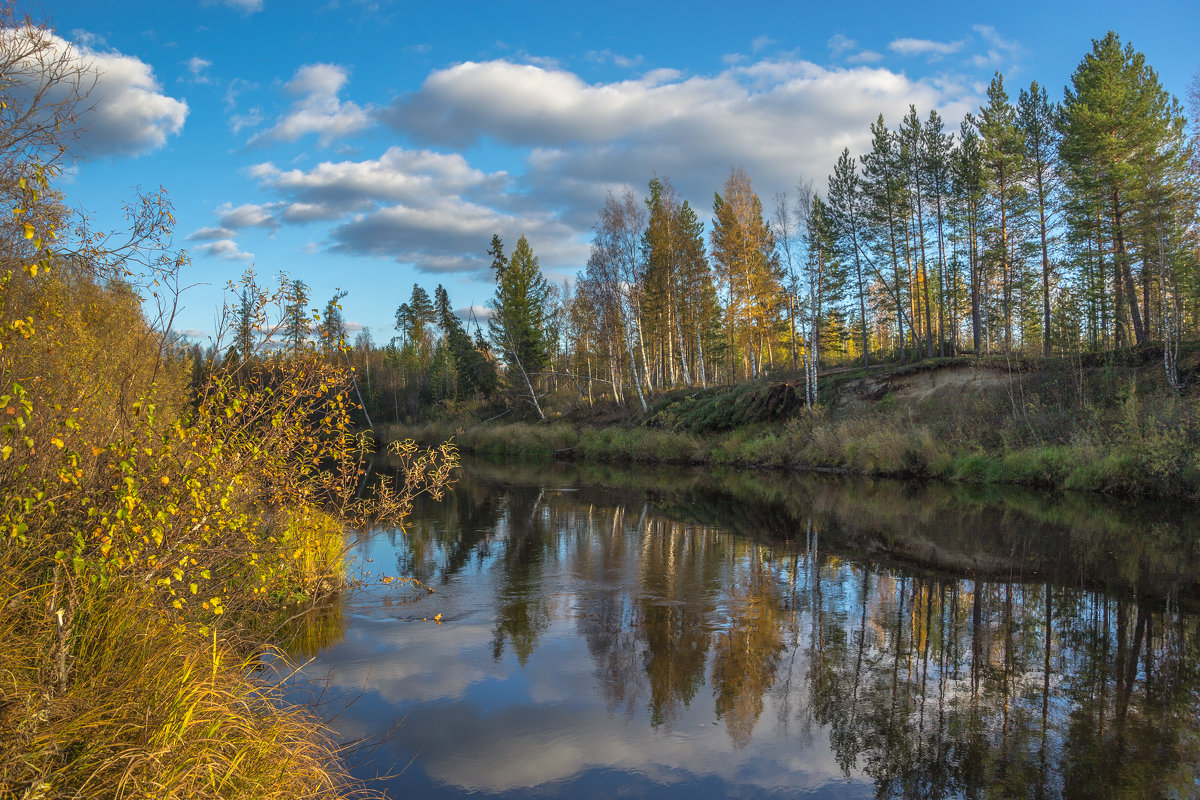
<point x="948" y="642"/>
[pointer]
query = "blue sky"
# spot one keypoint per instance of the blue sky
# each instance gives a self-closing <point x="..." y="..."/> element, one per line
<point x="368" y="145"/>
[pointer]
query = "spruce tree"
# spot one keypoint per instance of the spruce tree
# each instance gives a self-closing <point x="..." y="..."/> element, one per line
<point x="517" y="326"/>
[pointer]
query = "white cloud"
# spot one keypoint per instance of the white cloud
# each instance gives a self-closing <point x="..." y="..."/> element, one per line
<point x="317" y="108"/>
<point x="209" y="234"/>
<point x="88" y="39"/>
<point x="760" y="43"/>
<point x="125" y="112"/>
<point x="430" y="209"/>
<point x="780" y="119"/>
<point x="864" y="57"/>
<point x="843" y="47"/>
<point x="840" y="44"/>
<point x="998" y="49"/>
<point x="197" y="68"/>
<point x="247" y="7"/>
<point x="480" y="313"/>
<point x="224" y="249"/>
<point x="399" y="175"/>
<point x="451" y="235"/>
<point x="923" y="47"/>
<point x="131" y="115"/>
<point x="248" y="215"/>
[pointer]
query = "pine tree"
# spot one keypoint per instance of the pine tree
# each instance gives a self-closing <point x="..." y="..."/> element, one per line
<point x="1123" y="143"/>
<point x="824" y="286"/>
<point x="914" y="161"/>
<point x="1003" y="149"/>
<point x="968" y="189"/>
<point x="1036" y="115"/>
<point x="887" y="203"/>
<point x="846" y="217"/>
<point x="332" y="330"/>
<point x="938" y="148"/>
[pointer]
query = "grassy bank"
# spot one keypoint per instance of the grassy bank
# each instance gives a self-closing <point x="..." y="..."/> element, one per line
<point x="162" y="524"/>
<point x="132" y="704"/>
<point x="1100" y="427"/>
<point x="140" y="592"/>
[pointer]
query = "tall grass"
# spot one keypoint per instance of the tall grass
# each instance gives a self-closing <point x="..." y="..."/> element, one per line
<point x="133" y="705"/>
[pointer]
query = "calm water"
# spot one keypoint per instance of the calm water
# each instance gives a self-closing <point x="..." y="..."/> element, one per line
<point x="685" y="634"/>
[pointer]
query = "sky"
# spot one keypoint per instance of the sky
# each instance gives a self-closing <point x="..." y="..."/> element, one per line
<point x="367" y="145"/>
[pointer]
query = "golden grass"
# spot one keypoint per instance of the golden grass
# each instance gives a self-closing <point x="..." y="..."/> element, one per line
<point x="137" y="706"/>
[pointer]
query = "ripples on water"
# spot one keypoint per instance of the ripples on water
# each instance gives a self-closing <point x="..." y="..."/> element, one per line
<point x="688" y="634"/>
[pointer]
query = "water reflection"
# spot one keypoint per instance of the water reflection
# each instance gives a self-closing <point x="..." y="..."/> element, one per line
<point x="690" y="634"/>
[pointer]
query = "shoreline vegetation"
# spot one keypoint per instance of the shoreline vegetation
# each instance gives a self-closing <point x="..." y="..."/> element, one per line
<point x="170" y="524"/>
<point x="162" y="548"/>
<point x="1104" y="424"/>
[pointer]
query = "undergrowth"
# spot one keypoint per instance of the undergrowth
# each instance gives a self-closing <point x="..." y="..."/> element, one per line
<point x="162" y="522"/>
<point x="1108" y="427"/>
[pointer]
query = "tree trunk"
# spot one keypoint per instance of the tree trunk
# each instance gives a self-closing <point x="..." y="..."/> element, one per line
<point x="1124" y="273"/>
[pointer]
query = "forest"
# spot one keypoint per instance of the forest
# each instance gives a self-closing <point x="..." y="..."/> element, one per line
<point x="1037" y="227"/>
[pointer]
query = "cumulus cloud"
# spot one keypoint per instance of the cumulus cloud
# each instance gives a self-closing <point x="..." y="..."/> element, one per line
<point x="747" y="113"/>
<point x="398" y="175"/>
<point x="480" y="313"/>
<point x="248" y="215"/>
<point x="125" y="113"/>
<point x="130" y="114"/>
<point x="779" y="119"/>
<point x="318" y="108"/>
<point x="864" y="57"/>
<point x="432" y="210"/>
<point x="210" y="234"/>
<point x="224" y="249"/>
<point x="450" y="235"/>
<point x="924" y="47"/>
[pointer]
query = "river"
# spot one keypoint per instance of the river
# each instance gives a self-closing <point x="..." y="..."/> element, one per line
<point x="577" y="632"/>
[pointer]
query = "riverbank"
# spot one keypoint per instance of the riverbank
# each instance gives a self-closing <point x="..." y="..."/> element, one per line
<point x="154" y="548"/>
<point x="1097" y="425"/>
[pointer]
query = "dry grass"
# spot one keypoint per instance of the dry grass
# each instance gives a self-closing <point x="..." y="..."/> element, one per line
<point x="130" y="705"/>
